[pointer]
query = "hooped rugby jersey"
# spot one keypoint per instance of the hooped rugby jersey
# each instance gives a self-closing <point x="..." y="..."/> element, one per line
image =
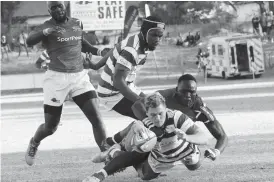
<point x="169" y="148"/>
<point x="129" y="53"/>
<point x="197" y="112"/>
<point x="64" y="47"/>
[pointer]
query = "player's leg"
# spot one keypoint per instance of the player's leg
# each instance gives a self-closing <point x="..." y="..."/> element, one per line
<point x="145" y="171"/>
<point x="119" y="136"/>
<point x="88" y="103"/>
<point x="53" y="104"/>
<point x="123" y="107"/>
<point x="120" y="162"/>
<point x="85" y="96"/>
<point x="124" y="142"/>
<point x="192" y="161"/>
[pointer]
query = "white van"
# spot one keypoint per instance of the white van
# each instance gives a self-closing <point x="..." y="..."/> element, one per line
<point x="235" y="55"/>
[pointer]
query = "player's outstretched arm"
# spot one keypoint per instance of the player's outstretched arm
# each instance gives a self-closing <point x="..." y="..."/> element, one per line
<point x="88" y="48"/>
<point x="96" y="66"/>
<point x="216" y="129"/>
<point x="119" y="82"/>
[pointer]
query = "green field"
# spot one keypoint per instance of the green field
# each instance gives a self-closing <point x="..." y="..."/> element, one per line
<point x="246" y="159"/>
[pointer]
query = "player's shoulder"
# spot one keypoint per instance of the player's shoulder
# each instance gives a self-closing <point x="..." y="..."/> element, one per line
<point x="198" y="103"/>
<point x="167" y="93"/>
<point x="76" y="21"/>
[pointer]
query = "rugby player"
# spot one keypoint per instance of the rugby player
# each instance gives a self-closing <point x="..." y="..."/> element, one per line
<point x="116" y="88"/>
<point x="62" y="37"/>
<point x="177" y="140"/>
<point x="185" y="99"/>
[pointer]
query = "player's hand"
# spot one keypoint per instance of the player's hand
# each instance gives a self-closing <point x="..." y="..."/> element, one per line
<point x="49" y="31"/>
<point x="180" y="134"/>
<point x="87" y="61"/>
<point x="44" y="67"/>
<point x="105" y="51"/>
<point x="139" y="127"/>
<point x="212" y="153"/>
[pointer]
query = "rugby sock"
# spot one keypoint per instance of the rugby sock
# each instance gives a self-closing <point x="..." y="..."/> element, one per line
<point x="115" y="139"/>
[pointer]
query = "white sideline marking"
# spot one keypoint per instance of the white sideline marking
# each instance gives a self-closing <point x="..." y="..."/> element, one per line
<point x="228" y="97"/>
<point x="39" y="97"/>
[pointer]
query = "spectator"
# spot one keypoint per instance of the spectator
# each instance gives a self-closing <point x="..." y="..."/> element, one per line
<point x="197" y="37"/>
<point x="179" y="40"/>
<point x="4" y="46"/>
<point x="256" y="25"/>
<point x="269" y="21"/>
<point x="263" y="23"/>
<point x="22" y="42"/>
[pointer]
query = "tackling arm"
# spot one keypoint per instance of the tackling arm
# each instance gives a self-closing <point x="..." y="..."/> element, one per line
<point x="216" y="129"/>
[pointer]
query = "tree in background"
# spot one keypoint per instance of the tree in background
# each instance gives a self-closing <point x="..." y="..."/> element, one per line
<point x="8" y="9"/>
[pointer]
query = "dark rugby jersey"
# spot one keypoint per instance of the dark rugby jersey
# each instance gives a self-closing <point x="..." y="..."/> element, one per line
<point x="197" y="112"/>
<point x="64" y="47"/>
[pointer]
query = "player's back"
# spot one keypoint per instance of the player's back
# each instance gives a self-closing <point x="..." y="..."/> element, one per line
<point x="64" y="46"/>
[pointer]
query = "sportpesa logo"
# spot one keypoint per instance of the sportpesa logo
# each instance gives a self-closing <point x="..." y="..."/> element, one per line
<point x="66" y="39"/>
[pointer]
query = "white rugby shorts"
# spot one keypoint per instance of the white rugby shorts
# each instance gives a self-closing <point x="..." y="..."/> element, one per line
<point x="59" y="87"/>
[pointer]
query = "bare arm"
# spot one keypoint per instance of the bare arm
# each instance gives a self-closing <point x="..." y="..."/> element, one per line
<point x="35" y="37"/>
<point x="216" y="129"/>
<point x="119" y="82"/>
<point x="87" y="47"/>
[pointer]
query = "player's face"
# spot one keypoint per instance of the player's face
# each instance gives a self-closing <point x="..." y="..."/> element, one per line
<point x="186" y="92"/>
<point x="157" y="115"/>
<point x="153" y="38"/>
<point x="58" y="12"/>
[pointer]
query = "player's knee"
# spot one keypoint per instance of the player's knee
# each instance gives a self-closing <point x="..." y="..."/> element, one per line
<point x="193" y="162"/>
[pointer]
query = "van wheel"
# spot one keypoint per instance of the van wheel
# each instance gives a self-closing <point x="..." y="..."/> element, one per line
<point x="258" y="75"/>
<point x="208" y="75"/>
<point x="224" y="75"/>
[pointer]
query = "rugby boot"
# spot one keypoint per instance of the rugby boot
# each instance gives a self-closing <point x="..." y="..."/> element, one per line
<point x="104" y="156"/>
<point x="96" y="177"/>
<point x="31" y="152"/>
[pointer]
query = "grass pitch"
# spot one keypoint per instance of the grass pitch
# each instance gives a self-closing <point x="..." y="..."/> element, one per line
<point x="246" y="159"/>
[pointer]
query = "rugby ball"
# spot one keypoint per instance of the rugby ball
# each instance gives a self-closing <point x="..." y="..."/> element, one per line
<point x="144" y="141"/>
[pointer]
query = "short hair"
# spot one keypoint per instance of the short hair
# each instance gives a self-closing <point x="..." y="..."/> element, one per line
<point x="187" y="77"/>
<point x="154" y="100"/>
<point x="53" y="3"/>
